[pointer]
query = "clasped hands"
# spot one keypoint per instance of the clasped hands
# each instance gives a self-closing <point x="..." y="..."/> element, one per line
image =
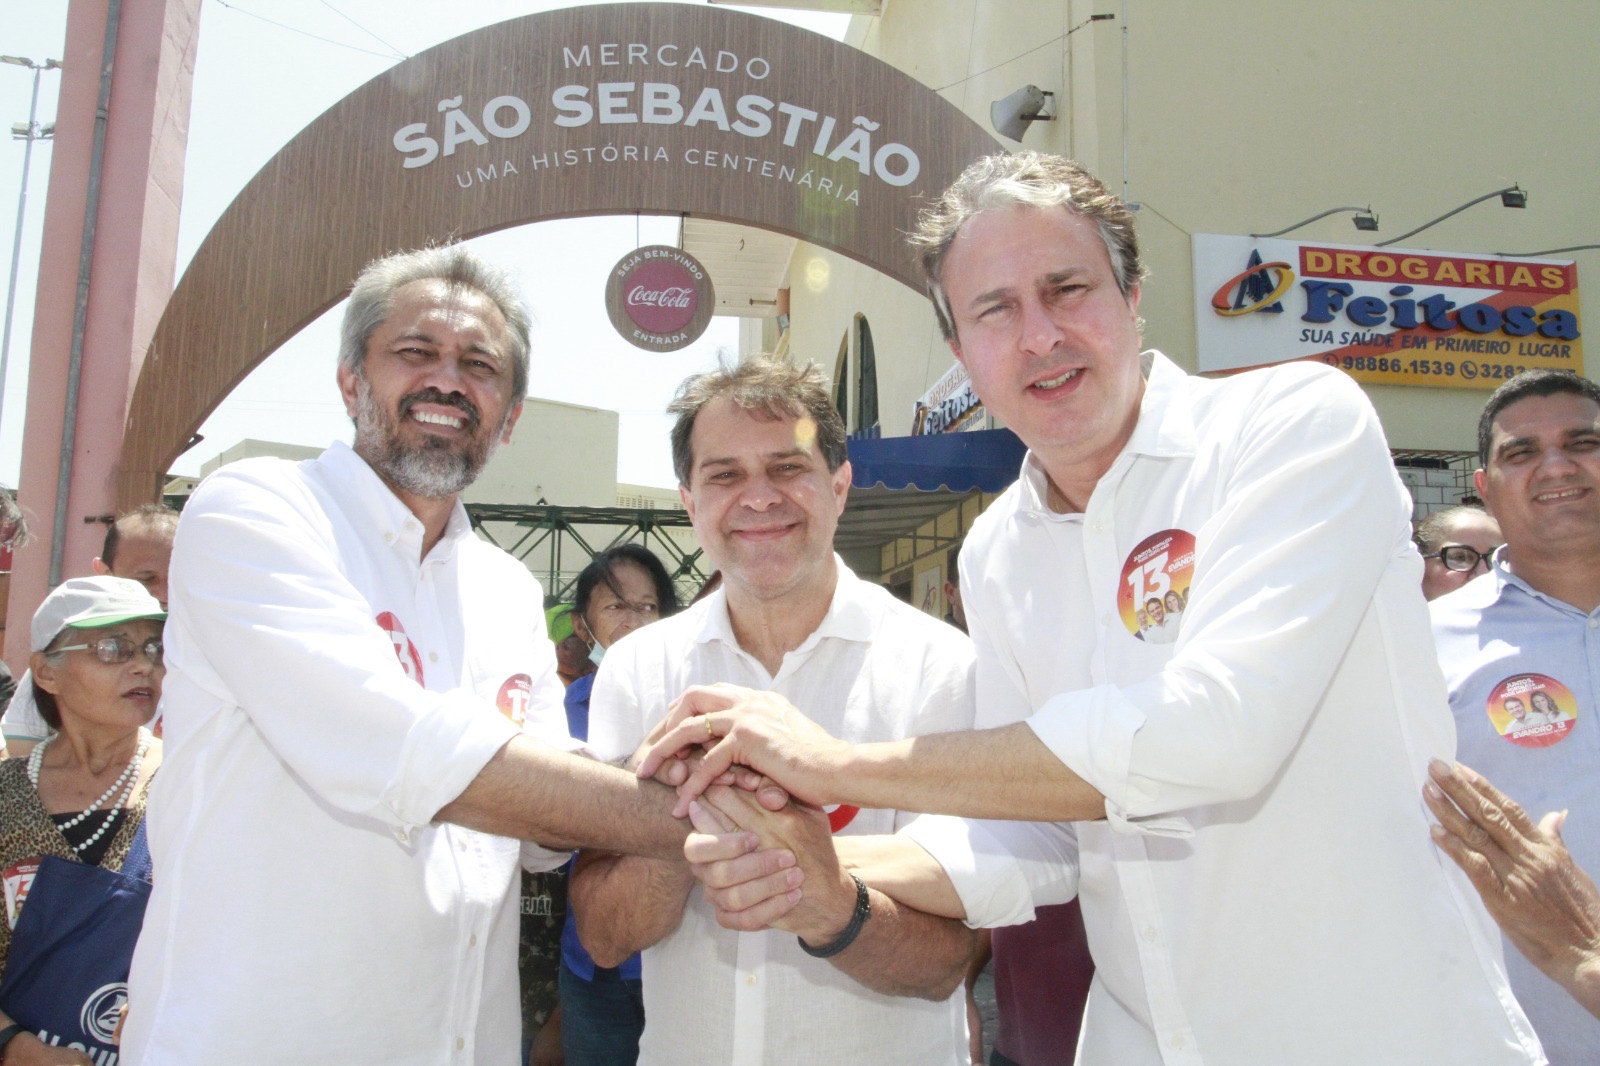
<point x="750" y="773"/>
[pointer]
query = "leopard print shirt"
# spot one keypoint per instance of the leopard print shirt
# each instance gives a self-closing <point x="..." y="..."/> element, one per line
<point x="27" y="831"/>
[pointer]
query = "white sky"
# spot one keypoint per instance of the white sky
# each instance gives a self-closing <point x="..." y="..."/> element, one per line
<point x="264" y="70"/>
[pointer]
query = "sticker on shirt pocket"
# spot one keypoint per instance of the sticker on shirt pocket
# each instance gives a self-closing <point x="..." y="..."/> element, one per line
<point x="516" y="692"/>
<point x="841" y="815"/>
<point x="404" y="650"/>
<point x="17" y="880"/>
<point x="1155" y="586"/>
<point x="1532" y="710"/>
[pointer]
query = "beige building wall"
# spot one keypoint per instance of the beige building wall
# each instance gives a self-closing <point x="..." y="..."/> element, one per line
<point x="1245" y="116"/>
<point x="249" y="448"/>
<point x="562" y="453"/>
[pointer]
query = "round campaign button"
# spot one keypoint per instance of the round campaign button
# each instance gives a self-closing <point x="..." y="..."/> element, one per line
<point x="1532" y="710"/>
<point x="1155" y="586"/>
<point x="404" y="650"/>
<point x="516" y="692"/>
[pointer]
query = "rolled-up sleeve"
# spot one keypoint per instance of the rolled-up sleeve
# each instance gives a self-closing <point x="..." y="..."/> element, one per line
<point x="1309" y="514"/>
<point x="264" y="619"/>
<point x="1001" y="870"/>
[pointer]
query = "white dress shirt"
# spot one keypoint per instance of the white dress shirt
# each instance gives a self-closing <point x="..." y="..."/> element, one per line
<point x="1499" y="636"/>
<point x="21" y="720"/>
<point x="328" y="691"/>
<point x="1263" y="889"/>
<point x="875" y="669"/>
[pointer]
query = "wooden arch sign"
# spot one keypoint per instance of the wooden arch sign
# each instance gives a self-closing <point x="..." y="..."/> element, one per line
<point x="618" y="108"/>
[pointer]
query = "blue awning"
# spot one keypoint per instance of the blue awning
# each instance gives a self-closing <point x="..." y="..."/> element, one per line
<point x="984" y="460"/>
<point x="900" y="484"/>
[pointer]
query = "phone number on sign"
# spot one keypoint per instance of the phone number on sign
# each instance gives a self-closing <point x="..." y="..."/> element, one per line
<point x="1423" y="367"/>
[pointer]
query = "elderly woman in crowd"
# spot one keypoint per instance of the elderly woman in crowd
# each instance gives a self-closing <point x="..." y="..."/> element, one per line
<point x="80" y="794"/>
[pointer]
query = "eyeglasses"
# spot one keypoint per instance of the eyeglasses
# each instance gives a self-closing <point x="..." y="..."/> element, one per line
<point x="1460" y="558"/>
<point x="113" y="650"/>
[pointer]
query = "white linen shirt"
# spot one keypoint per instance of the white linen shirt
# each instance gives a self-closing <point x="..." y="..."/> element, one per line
<point x="328" y="691"/>
<point x="1263" y="888"/>
<point x="21" y="720"/>
<point x="1497" y="633"/>
<point x="875" y="669"/>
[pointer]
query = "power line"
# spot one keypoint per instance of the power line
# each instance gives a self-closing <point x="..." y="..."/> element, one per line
<point x="303" y="33"/>
<point x="1029" y="52"/>
<point x="364" y="30"/>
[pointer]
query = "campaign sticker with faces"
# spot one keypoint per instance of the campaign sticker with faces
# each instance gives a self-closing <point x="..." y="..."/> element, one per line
<point x="1155" y="586"/>
<point x="404" y="650"/>
<point x="1532" y="710"/>
<point x="516" y="692"/>
<point x="17" y="880"/>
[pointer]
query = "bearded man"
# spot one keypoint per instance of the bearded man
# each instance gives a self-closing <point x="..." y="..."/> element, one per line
<point x="362" y="712"/>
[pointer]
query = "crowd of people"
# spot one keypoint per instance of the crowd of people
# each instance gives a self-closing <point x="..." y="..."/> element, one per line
<point x="1197" y="816"/>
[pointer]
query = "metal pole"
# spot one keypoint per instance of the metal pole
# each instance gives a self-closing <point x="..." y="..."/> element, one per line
<point x="1126" y="193"/>
<point x="16" y="245"/>
<point x="80" y="313"/>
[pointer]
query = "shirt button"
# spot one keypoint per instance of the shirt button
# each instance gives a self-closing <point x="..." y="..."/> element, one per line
<point x="472" y="941"/>
<point x="1105" y="620"/>
<point x="1149" y="934"/>
<point x="750" y="979"/>
<point x="388" y="538"/>
<point x="433" y="656"/>
<point x="460" y="1043"/>
<point x="1593" y="622"/>
<point x="1178" y="1042"/>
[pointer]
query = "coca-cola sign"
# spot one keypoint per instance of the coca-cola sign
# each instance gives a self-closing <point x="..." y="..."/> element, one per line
<point x="660" y="298"/>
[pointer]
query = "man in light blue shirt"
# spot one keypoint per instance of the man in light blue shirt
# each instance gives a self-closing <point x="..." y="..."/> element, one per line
<point x="1526" y="635"/>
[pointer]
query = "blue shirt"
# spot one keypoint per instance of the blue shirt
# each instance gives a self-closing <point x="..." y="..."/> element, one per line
<point x="572" y="952"/>
<point x="1501" y="644"/>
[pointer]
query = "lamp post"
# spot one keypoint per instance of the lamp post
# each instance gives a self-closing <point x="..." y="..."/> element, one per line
<point x="1364" y="220"/>
<point x="1512" y="196"/>
<point x="27" y="134"/>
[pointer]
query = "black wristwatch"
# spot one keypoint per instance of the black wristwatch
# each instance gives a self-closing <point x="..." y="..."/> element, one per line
<point x="7" y="1034"/>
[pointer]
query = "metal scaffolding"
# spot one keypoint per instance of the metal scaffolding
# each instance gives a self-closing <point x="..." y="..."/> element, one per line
<point x="521" y="529"/>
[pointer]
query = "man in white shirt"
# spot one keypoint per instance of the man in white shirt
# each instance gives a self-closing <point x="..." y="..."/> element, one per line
<point x="760" y="457"/>
<point x="1520" y="648"/>
<point x="1238" y="809"/>
<point x="361" y="713"/>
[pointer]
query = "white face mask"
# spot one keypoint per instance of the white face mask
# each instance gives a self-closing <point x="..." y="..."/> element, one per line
<point x="596" y="653"/>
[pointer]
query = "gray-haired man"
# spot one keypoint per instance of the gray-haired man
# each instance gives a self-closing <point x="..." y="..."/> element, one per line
<point x="361" y="712"/>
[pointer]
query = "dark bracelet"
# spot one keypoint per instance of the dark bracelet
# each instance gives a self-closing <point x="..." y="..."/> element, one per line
<point x="8" y="1034"/>
<point x="863" y="911"/>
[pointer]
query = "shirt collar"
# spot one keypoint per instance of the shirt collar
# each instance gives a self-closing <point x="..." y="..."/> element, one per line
<point x="401" y="529"/>
<point x="851" y="616"/>
<point x="1504" y="580"/>
<point x="1165" y="427"/>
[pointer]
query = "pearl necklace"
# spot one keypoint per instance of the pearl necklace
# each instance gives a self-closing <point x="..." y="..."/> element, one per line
<point x="124" y="781"/>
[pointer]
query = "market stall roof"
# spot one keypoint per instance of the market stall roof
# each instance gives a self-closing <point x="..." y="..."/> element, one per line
<point x="901" y="483"/>
<point x="986" y="459"/>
